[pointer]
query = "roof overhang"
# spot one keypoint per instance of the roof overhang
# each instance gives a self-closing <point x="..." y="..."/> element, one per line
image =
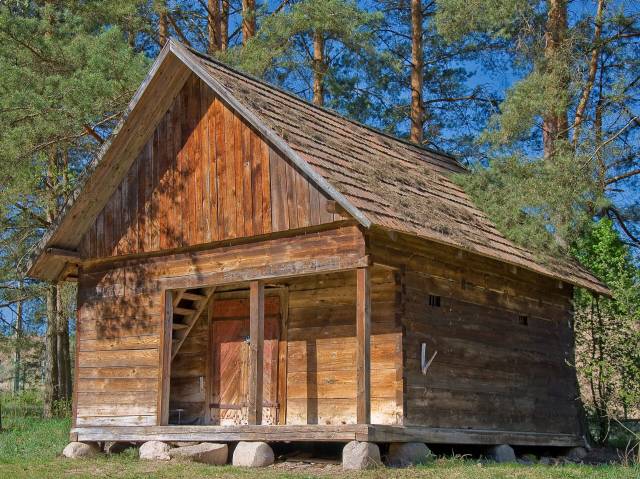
<point x="172" y="67"/>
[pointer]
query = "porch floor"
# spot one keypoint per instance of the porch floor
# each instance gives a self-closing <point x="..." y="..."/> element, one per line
<point x="322" y="433"/>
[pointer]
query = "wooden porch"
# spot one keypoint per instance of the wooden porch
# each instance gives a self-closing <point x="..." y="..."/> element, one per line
<point x="323" y="433"/>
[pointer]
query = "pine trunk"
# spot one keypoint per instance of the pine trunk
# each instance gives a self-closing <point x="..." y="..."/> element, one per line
<point x="17" y="375"/>
<point x="417" y="78"/>
<point x="224" y="26"/>
<point x="555" y="125"/>
<point x="51" y="359"/>
<point x="213" y="26"/>
<point x="248" y="20"/>
<point x="163" y="22"/>
<point x="319" y="68"/>
<point x="64" y="361"/>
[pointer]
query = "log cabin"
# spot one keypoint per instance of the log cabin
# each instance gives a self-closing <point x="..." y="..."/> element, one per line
<point x="253" y="267"/>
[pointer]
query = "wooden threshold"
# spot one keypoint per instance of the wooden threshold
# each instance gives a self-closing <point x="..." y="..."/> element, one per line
<point x="324" y="433"/>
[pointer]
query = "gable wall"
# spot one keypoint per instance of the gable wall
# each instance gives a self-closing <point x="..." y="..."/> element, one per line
<point x="203" y="176"/>
<point x="491" y="371"/>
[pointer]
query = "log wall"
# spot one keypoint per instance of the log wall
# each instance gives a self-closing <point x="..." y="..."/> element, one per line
<point x="494" y="369"/>
<point x="120" y="308"/>
<point x="203" y="176"/>
<point x="321" y="378"/>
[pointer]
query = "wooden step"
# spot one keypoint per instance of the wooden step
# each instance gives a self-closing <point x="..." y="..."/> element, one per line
<point x="193" y="296"/>
<point x="183" y="311"/>
<point x="178" y="326"/>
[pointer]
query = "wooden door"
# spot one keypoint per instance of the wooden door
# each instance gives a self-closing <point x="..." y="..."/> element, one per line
<point x="229" y="339"/>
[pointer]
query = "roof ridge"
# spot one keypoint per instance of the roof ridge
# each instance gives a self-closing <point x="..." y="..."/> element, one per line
<point x="322" y="108"/>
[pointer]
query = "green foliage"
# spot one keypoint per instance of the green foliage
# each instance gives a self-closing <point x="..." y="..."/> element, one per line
<point x="497" y="18"/>
<point x="282" y="52"/>
<point x="277" y="44"/>
<point x="542" y="205"/>
<point x="608" y="330"/>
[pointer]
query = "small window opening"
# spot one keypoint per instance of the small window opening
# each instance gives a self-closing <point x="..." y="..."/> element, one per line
<point x="523" y="319"/>
<point x="434" y="300"/>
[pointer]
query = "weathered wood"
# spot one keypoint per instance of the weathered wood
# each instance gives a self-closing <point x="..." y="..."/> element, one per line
<point x="363" y="351"/>
<point x="175" y="204"/>
<point x="256" y="320"/>
<point x="324" y="433"/>
<point x="165" y="361"/>
<point x="193" y="318"/>
<point x="283" y="356"/>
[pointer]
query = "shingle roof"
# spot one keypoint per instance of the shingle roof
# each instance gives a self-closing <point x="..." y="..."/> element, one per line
<point x="396" y="184"/>
<point x="379" y="179"/>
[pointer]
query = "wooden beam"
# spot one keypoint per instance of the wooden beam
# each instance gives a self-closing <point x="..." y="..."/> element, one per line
<point x="363" y="352"/>
<point x="64" y="254"/>
<point x="256" y="339"/>
<point x="165" y="360"/>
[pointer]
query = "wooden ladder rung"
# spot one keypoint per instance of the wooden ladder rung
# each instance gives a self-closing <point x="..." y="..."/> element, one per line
<point x="193" y="296"/>
<point x="183" y="311"/>
<point x="178" y="326"/>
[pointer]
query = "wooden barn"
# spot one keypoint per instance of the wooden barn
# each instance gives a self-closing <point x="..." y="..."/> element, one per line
<point x="252" y="267"/>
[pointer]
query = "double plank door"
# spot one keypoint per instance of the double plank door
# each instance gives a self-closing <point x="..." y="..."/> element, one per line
<point x="229" y="340"/>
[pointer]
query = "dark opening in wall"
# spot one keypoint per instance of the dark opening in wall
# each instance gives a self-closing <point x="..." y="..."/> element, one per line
<point x="523" y="319"/>
<point x="434" y="300"/>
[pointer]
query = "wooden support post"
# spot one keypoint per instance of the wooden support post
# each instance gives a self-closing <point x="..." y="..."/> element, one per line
<point x="165" y="360"/>
<point x="363" y="352"/>
<point x="256" y="332"/>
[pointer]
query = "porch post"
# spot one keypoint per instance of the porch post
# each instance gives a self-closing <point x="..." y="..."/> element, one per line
<point x="256" y="339"/>
<point x="363" y="351"/>
<point x="165" y="360"/>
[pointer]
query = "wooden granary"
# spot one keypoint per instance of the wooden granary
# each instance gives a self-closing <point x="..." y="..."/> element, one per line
<point x="253" y="267"/>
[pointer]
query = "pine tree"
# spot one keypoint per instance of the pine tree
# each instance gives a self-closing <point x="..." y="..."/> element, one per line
<point x="65" y="83"/>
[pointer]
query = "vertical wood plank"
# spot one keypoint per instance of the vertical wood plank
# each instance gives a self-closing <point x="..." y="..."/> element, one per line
<point x="257" y="186"/>
<point x="248" y="191"/>
<point x="256" y="351"/>
<point x="363" y="352"/>
<point x="229" y="162"/>
<point x="212" y="161"/>
<point x="208" y="375"/>
<point x="239" y="174"/>
<point x="278" y="189"/>
<point x="292" y="209"/>
<point x="283" y="356"/>
<point x="205" y="162"/>
<point x="165" y="361"/>
<point x="265" y="159"/>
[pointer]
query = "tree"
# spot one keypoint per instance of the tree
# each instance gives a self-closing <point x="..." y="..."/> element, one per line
<point x="572" y="105"/>
<point x="66" y="82"/>
<point x="303" y="47"/>
<point x="608" y="330"/>
<point x="417" y="74"/>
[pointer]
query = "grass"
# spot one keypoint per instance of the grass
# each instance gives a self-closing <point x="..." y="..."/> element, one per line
<point x="30" y="448"/>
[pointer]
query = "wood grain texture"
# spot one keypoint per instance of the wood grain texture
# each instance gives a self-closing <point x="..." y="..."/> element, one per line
<point x="491" y="371"/>
<point x="256" y="349"/>
<point x="204" y="175"/>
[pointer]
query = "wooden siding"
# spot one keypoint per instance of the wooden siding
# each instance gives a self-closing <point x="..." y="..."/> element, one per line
<point x="321" y="376"/>
<point x="120" y="305"/>
<point x="491" y="372"/>
<point x="203" y="176"/>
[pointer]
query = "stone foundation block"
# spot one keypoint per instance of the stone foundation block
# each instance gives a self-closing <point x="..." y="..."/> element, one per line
<point x="206" y="453"/>
<point x="501" y="453"/>
<point x="76" y="450"/>
<point x="155" y="451"/>
<point x="360" y="455"/>
<point x="403" y="454"/>
<point x="253" y="454"/>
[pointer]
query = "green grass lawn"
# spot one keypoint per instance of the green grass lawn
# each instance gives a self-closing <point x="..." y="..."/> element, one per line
<point x="30" y="448"/>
